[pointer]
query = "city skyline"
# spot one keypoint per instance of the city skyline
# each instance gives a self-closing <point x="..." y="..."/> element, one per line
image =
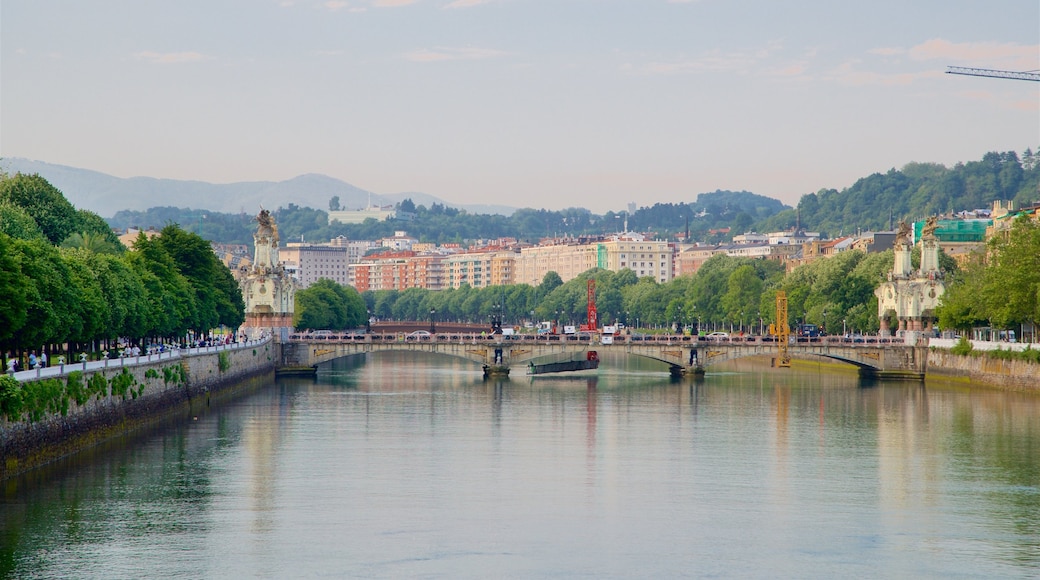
<point x="537" y="104"/>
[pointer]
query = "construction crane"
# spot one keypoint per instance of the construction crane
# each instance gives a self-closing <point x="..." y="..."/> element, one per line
<point x="593" y="320"/>
<point x="782" y="331"/>
<point x="1000" y="74"/>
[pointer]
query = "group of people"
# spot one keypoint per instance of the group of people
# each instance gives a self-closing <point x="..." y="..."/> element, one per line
<point x="35" y="362"/>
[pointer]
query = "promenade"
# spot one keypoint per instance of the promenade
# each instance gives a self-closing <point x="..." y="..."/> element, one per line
<point x="61" y="370"/>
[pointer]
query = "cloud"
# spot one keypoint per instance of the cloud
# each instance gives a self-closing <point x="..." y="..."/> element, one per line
<point x="716" y="61"/>
<point x="466" y="3"/>
<point x="392" y="3"/>
<point x="444" y="54"/>
<point x="171" y="57"/>
<point x="848" y="74"/>
<point x="1008" y="56"/>
<point x="335" y="5"/>
<point x="887" y="51"/>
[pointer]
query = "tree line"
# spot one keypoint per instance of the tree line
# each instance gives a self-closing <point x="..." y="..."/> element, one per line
<point x="726" y="292"/>
<point x="1000" y="287"/>
<point x="68" y="283"/>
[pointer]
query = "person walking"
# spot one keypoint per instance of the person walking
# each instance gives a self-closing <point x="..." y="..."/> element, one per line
<point x="43" y="359"/>
<point x="32" y="359"/>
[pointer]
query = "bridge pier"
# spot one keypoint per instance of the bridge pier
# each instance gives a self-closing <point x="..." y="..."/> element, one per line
<point x="686" y="371"/>
<point x="496" y="371"/>
<point x="891" y="375"/>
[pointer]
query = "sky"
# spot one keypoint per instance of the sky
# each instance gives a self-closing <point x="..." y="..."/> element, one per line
<point x="525" y="103"/>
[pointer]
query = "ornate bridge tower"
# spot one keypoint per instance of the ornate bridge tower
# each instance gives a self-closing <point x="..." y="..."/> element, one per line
<point x="268" y="291"/>
<point x="912" y="296"/>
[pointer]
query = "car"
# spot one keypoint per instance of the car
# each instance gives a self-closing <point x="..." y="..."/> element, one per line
<point x="420" y="333"/>
<point x="717" y="335"/>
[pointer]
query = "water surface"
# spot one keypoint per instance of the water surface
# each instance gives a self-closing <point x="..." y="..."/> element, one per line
<point x="402" y="467"/>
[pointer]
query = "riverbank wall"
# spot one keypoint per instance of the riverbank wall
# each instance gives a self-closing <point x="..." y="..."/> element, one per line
<point x="1016" y="375"/>
<point x="86" y="404"/>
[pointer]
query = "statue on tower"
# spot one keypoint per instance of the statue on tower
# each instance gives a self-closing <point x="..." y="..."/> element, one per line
<point x="903" y="235"/>
<point x="268" y="291"/>
<point x="265" y="256"/>
<point x="930" y="225"/>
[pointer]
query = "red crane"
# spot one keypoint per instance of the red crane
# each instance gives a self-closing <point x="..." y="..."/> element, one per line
<point x="593" y="322"/>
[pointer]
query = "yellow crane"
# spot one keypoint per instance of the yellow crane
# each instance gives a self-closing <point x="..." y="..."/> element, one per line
<point x="781" y="330"/>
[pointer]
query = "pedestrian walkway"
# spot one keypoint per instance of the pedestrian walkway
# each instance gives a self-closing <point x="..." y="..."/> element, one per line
<point x="57" y="370"/>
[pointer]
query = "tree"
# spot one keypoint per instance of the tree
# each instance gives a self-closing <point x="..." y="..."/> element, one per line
<point x="1011" y="286"/>
<point x="14" y="287"/>
<point x="43" y="202"/>
<point x="334" y="203"/>
<point x="17" y="223"/>
<point x="170" y="296"/>
<point x="550" y="281"/>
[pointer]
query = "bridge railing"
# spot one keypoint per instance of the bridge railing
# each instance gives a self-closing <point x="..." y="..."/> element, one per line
<point x="585" y="338"/>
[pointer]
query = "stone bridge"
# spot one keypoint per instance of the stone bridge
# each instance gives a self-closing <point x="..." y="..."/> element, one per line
<point x="683" y="354"/>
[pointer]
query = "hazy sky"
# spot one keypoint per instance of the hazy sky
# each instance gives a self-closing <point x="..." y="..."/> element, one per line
<point x="528" y="103"/>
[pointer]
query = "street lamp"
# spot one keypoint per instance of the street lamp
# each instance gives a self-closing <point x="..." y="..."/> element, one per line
<point x="843" y="329"/>
<point x="368" y="322"/>
<point x="433" y="326"/>
<point x="760" y="323"/>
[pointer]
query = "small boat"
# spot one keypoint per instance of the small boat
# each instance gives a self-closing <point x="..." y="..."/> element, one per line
<point x="591" y="362"/>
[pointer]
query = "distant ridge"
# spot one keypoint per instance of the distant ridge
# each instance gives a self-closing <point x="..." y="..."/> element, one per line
<point x="105" y="194"/>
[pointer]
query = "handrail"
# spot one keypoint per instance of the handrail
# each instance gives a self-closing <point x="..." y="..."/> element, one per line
<point x="62" y="370"/>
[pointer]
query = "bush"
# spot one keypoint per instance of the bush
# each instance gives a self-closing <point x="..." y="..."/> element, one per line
<point x="963" y="347"/>
<point x="10" y="397"/>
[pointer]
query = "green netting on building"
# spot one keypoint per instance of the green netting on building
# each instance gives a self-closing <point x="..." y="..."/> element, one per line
<point x="957" y="230"/>
<point x="601" y="256"/>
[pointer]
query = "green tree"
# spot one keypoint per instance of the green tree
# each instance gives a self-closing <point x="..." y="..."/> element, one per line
<point x="217" y="297"/>
<point x="1011" y="285"/>
<point x="17" y="223"/>
<point x="15" y="288"/>
<point x="43" y="202"/>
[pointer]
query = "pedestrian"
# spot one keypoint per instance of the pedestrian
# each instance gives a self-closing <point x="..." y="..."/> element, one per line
<point x="12" y="365"/>
<point x="43" y="359"/>
<point x="32" y="359"/>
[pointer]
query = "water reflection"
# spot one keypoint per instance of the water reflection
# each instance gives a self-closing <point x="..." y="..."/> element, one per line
<point x="390" y="467"/>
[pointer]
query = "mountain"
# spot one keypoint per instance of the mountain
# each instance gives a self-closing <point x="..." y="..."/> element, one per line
<point x="106" y="194"/>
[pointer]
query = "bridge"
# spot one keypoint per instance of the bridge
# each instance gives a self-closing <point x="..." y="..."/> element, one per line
<point x="684" y="355"/>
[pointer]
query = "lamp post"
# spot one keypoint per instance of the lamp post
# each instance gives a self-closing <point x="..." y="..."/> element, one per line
<point x="824" y="329"/>
<point x="843" y="329"/>
<point x="760" y="323"/>
<point x="741" y="322"/>
<point x="433" y="325"/>
<point x="368" y="322"/>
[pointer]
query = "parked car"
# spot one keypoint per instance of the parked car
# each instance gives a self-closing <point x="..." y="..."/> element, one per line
<point x="717" y="335"/>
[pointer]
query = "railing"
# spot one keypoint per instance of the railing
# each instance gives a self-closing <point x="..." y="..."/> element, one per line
<point x="60" y="370"/>
<point x="587" y="338"/>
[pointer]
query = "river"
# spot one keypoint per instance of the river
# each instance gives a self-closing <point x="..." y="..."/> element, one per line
<point x="401" y="467"/>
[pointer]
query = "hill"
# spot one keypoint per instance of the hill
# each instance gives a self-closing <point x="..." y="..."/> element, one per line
<point x="916" y="191"/>
<point x="106" y="194"/>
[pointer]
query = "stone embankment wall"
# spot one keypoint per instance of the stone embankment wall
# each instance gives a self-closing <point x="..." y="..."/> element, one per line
<point x="123" y="398"/>
<point x="1007" y="374"/>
